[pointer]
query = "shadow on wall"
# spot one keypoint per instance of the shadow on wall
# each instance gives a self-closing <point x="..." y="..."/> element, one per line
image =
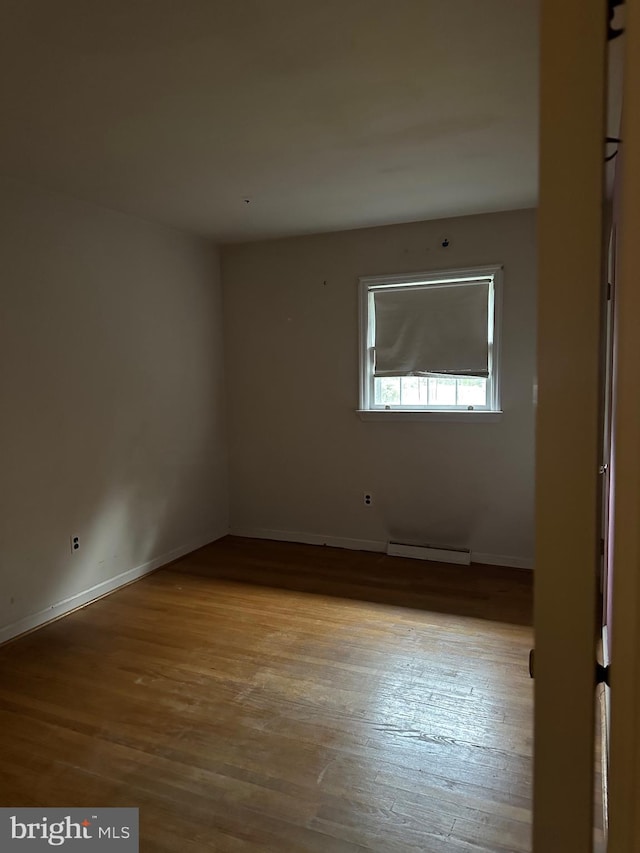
<point x="112" y="425"/>
<point x="124" y="517"/>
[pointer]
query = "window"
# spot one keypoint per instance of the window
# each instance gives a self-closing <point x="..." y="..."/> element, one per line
<point x="429" y="344"/>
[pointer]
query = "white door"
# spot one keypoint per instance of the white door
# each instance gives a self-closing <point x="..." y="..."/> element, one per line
<point x="568" y="437"/>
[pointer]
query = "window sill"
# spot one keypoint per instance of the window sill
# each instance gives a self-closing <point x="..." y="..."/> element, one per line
<point x="445" y="416"/>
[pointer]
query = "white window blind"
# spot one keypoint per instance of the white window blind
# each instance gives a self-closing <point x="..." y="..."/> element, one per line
<point x="433" y="329"/>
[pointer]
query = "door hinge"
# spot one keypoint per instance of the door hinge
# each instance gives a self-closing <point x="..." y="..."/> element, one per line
<point x="602" y="672"/>
<point x="613" y="32"/>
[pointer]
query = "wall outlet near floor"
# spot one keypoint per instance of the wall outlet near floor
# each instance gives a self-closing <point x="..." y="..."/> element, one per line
<point x="75" y="544"/>
<point x="368" y="499"/>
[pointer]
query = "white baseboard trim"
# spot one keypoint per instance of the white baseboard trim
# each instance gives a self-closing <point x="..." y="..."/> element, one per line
<point x="502" y="560"/>
<point x="427" y="552"/>
<point x="363" y="544"/>
<point x="80" y="599"/>
<point x="310" y="538"/>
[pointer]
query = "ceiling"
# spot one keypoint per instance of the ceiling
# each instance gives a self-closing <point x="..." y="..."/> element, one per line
<point x="325" y="114"/>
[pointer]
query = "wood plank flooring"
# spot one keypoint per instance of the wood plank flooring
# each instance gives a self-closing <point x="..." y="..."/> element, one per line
<point x="260" y="696"/>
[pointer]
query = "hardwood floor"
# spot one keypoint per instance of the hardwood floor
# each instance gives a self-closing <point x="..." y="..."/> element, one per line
<point x="260" y="696"/>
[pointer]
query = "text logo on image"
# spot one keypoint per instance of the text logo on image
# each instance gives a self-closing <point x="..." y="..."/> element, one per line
<point x="103" y="829"/>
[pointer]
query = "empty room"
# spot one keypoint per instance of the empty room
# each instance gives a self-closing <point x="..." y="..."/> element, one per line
<point x="269" y="383"/>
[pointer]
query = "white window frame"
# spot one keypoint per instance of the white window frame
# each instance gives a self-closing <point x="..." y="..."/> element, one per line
<point x="368" y="410"/>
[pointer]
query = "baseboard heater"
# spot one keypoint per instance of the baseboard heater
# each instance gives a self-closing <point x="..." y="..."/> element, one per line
<point x="459" y="556"/>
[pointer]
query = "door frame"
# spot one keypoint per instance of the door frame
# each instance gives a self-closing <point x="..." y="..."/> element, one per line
<point x="624" y="768"/>
<point x="567" y="439"/>
<point x="568" y="430"/>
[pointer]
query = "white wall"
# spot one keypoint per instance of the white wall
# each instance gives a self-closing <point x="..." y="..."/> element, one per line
<point x="300" y="456"/>
<point x="112" y="403"/>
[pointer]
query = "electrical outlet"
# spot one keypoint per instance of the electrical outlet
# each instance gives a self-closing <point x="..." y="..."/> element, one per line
<point x="368" y="499"/>
<point x="75" y="544"/>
